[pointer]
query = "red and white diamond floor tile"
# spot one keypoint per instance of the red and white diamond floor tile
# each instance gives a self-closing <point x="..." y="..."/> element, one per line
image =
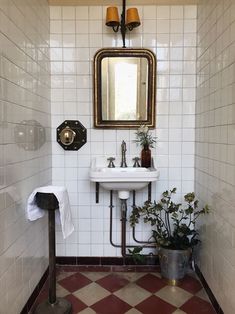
<point x="130" y="293"/>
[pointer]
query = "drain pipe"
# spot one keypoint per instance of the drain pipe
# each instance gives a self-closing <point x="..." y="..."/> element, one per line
<point x="123" y="246"/>
<point x="123" y="221"/>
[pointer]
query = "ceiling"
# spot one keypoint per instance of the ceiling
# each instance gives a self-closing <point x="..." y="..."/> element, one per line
<point x="119" y="2"/>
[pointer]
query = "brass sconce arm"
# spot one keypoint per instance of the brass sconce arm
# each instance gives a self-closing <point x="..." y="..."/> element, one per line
<point x="123" y="24"/>
<point x="128" y="22"/>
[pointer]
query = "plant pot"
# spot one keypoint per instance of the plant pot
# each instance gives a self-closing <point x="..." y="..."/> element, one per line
<point x="174" y="264"/>
<point x="150" y="259"/>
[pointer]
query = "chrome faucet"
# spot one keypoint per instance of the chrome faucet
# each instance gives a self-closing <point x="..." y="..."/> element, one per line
<point x="123" y="162"/>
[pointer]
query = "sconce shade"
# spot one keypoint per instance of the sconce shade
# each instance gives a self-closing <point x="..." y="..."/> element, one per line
<point x="112" y="17"/>
<point x="132" y="18"/>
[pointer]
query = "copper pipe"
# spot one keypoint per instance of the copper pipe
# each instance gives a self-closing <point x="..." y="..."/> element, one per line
<point x="123" y="232"/>
<point x="133" y="229"/>
<point x="111" y="229"/>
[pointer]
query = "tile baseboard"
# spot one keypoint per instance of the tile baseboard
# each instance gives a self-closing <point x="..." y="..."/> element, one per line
<point x="102" y="261"/>
<point x="210" y="294"/>
<point x="35" y="293"/>
<point x="105" y="263"/>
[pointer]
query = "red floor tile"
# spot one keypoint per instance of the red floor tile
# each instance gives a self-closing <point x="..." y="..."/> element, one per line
<point x="190" y="284"/>
<point x="111" y="305"/>
<point x="196" y="305"/>
<point x="74" y="282"/>
<point x="112" y="282"/>
<point x="154" y="305"/>
<point x="77" y="305"/>
<point x="151" y="283"/>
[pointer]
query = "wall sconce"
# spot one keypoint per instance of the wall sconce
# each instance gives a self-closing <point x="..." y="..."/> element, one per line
<point x="129" y="20"/>
<point x="71" y="135"/>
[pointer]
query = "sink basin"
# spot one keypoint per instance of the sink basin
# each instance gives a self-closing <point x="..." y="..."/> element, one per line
<point x="123" y="180"/>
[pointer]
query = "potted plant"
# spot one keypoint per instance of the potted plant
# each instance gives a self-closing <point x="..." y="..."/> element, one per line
<point x="174" y="231"/>
<point x="145" y="139"/>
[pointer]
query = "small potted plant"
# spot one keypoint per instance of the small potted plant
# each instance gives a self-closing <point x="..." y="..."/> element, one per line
<point x="145" y="139"/>
<point x="174" y="231"/>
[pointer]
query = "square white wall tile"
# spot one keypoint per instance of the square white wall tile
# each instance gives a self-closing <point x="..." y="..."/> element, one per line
<point x="25" y="88"/>
<point x="80" y="32"/>
<point x="214" y="137"/>
<point x="55" y="13"/>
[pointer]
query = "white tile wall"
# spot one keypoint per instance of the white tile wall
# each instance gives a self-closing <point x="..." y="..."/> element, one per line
<point x="215" y="145"/>
<point x="24" y="163"/>
<point x="76" y="34"/>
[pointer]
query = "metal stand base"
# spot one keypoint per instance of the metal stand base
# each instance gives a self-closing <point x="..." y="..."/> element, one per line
<point x="173" y="282"/>
<point x="61" y="306"/>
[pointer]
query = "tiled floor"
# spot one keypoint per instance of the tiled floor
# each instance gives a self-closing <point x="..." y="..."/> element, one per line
<point x="129" y="292"/>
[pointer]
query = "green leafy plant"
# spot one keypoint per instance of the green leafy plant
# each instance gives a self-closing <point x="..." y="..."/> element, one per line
<point x="138" y="258"/>
<point x="144" y="137"/>
<point x="174" y="224"/>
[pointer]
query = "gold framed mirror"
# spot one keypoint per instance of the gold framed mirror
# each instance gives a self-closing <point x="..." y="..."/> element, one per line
<point x="124" y="88"/>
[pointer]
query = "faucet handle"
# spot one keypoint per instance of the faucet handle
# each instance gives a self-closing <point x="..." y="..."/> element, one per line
<point x="111" y="164"/>
<point x="136" y="162"/>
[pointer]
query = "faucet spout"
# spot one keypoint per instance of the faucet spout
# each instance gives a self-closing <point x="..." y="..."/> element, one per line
<point x="123" y="148"/>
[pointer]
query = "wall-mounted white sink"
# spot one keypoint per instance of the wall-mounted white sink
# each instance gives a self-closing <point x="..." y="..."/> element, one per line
<point x="122" y="180"/>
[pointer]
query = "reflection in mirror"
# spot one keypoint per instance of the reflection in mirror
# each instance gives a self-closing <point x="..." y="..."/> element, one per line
<point x="124" y="88"/>
<point x="120" y="102"/>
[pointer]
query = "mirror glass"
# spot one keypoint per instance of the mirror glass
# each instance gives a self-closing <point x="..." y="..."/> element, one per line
<point x="124" y="88"/>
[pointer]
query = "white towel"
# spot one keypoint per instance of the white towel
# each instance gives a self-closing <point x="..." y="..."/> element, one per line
<point x="65" y="218"/>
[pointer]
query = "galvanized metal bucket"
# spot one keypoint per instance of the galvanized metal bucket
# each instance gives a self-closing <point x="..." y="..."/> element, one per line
<point x="174" y="264"/>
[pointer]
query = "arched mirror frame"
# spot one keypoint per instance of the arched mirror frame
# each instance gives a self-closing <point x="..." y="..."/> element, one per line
<point x="151" y="93"/>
